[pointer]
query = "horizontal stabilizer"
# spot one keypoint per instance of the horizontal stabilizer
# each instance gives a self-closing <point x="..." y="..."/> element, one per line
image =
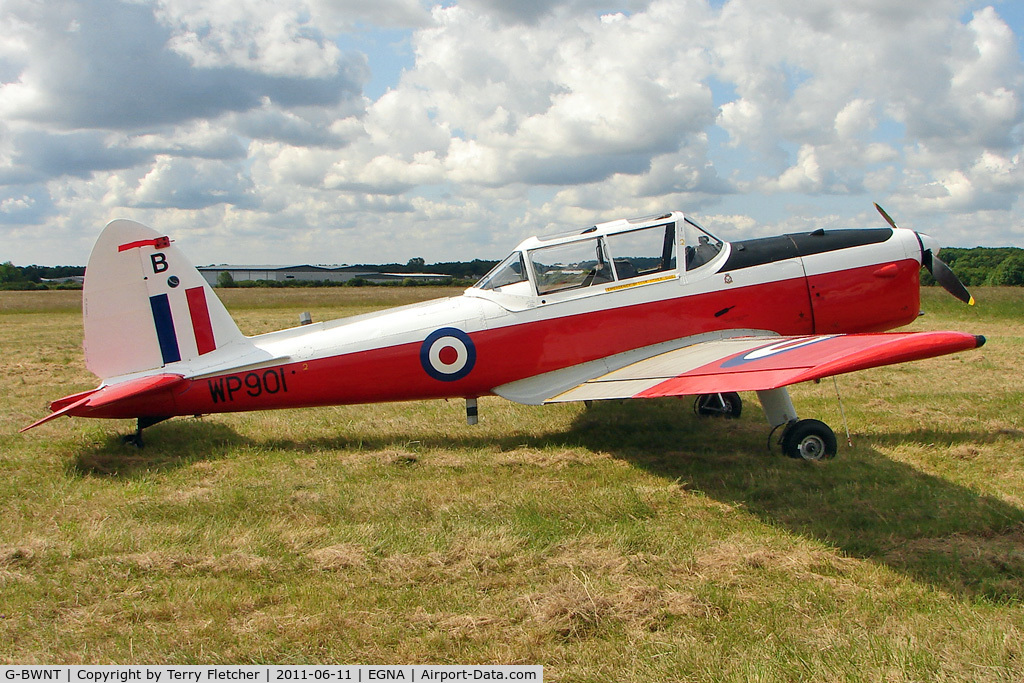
<point x="86" y="402"/>
<point x="57" y="413"/>
<point x="133" y="388"/>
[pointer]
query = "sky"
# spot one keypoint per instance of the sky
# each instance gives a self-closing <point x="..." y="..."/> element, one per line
<point x="346" y="131"/>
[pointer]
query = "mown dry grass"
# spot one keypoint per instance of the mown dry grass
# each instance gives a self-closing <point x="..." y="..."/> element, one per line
<point x="626" y="542"/>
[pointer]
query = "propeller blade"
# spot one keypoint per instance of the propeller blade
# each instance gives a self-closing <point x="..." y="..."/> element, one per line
<point x="945" y="277"/>
<point x="939" y="270"/>
<point x="888" y="219"/>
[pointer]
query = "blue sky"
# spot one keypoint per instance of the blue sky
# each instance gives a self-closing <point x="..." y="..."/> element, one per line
<point x="340" y="131"/>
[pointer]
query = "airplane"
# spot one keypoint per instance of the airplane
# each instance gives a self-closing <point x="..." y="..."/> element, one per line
<point x="630" y="308"/>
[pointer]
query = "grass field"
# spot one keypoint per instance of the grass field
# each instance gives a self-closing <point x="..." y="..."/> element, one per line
<point x="627" y="542"/>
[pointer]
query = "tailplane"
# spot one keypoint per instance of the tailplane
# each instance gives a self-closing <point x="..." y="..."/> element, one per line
<point x="146" y="306"/>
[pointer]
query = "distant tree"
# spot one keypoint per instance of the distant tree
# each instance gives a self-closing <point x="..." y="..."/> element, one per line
<point x="9" y="273"/>
<point x="225" y="279"/>
<point x="37" y="273"/>
<point x="416" y="262"/>
<point x="1010" y="272"/>
<point x="975" y="266"/>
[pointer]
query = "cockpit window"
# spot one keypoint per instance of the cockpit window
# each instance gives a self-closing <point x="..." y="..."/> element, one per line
<point x="570" y="266"/>
<point x="644" y="251"/>
<point x="508" y="272"/>
<point x="699" y="246"/>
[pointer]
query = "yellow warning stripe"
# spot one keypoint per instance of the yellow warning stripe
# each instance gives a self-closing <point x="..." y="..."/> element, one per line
<point x="642" y="282"/>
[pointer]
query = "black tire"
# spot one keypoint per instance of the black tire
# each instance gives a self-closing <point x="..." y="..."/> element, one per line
<point x="809" y="440"/>
<point x="727" y="404"/>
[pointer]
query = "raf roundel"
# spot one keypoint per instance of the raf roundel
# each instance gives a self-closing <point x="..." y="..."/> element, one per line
<point x="448" y="354"/>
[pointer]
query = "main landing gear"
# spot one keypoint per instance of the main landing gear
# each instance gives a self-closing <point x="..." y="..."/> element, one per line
<point x="801" y="439"/>
<point x="809" y="440"/>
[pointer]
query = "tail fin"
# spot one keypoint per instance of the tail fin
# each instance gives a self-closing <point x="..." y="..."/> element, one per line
<point x="146" y="306"/>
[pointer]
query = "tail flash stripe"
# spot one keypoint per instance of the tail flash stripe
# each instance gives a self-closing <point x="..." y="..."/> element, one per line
<point x="165" y="328"/>
<point x="159" y="243"/>
<point x="201" y="324"/>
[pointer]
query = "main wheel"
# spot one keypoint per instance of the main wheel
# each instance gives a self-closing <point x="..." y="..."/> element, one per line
<point x="810" y="440"/>
<point x="727" y="404"/>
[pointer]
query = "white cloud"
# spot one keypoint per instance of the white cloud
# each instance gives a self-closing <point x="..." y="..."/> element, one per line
<point x="855" y="119"/>
<point x="335" y="16"/>
<point x="534" y="11"/>
<point x="991" y="182"/>
<point x="269" y="36"/>
<point x="562" y="103"/>
<point x="806" y="176"/>
<point x="114" y="71"/>
<point x="403" y="122"/>
<point x="191" y="184"/>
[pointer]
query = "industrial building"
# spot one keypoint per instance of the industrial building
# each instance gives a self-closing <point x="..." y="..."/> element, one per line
<point x="281" y="273"/>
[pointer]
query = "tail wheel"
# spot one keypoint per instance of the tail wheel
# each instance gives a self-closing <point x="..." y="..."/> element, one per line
<point x="809" y="440"/>
<point x="727" y="405"/>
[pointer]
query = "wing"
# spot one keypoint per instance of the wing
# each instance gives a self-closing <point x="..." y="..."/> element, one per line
<point x="742" y="363"/>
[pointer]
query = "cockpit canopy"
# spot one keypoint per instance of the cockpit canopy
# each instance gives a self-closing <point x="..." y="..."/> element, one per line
<point x="602" y="254"/>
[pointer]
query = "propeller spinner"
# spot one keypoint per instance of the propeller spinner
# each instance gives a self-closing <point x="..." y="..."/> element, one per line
<point x="939" y="270"/>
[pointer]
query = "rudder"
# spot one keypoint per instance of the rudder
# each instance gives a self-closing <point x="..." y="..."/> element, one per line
<point x="145" y="306"/>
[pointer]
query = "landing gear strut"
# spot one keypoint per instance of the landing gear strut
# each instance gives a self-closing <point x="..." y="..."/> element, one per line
<point x="143" y="422"/>
<point x="802" y="439"/>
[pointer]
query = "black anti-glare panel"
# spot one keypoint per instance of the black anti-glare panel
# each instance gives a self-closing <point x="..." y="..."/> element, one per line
<point x="749" y="253"/>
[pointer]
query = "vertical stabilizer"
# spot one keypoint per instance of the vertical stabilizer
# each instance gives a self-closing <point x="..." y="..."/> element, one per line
<point x="146" y="306"/>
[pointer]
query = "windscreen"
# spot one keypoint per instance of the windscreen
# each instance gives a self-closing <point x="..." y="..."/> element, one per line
<point x="508" y="272"/>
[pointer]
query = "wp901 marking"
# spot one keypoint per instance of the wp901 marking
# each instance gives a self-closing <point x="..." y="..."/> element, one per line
<point x="254" y="384"/>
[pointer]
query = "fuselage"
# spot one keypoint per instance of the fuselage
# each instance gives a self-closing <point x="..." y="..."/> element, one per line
<point x="559" y="314"/>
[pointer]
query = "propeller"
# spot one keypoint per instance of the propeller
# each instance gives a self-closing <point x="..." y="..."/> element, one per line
<point x="939" y="270"/>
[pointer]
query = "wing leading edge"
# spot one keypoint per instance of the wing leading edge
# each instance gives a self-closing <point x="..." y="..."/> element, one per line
<point x="756" y="363"/>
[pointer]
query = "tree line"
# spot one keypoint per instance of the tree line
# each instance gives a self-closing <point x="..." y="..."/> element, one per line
<point x="980" y="266"/>
<point x="33" y="277"/>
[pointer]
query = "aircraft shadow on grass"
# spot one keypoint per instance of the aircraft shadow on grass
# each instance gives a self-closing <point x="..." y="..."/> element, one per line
<point x="863" y="503"/>
<point x="179" y="443"/>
